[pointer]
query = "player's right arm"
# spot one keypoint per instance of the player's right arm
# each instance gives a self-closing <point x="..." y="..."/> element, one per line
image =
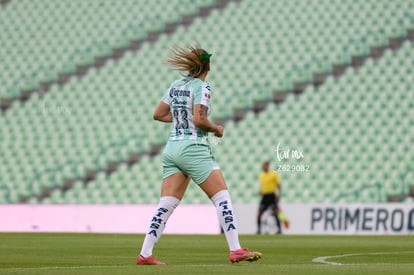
<point x="201" y="121"/>
<point x="162" y="112"/>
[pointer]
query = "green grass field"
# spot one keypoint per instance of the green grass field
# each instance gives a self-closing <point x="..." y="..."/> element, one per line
<point x="199" y="254"/>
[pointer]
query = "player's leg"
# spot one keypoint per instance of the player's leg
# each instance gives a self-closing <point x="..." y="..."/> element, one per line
<point x="279" y="225"/>
<point x="260" y="212"/>
<point x="172" y="191"/>
<point x="199" y="163"/>
<point x="275" y="209"/>
<point x="259" y="219"/>
<point x="216" y="189"/>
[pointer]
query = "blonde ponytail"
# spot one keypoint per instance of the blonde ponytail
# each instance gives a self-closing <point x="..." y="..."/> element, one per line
<point x="193" y="60"/>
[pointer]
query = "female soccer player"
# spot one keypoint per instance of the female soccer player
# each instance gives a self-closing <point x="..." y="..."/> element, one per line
<point x="187" y="154"/>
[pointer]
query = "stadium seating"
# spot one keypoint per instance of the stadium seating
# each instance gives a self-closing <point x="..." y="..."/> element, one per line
<point x="80" y="108"/>
<point x="44" y="38"/>
<point x="106" y="115"/>
<point x="354" y="133"/>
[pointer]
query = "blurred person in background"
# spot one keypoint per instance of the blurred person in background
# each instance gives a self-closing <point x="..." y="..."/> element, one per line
<point x="270" y="190"/>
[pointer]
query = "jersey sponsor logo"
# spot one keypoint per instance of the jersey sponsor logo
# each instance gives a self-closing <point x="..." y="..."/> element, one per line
<point x="175" y="102"/>
<point x="206" y="94"/>
<point x="177" y="92"/>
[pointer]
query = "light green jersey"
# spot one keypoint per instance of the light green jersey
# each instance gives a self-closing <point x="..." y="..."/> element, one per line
<point x="182" y="95"/>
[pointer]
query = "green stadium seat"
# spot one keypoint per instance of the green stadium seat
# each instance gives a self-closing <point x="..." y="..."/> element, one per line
<point x="68" y="35"/>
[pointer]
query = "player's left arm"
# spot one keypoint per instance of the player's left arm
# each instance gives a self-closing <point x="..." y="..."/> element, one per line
<point x="162" y="112"/>
<point x="201" y="106"/>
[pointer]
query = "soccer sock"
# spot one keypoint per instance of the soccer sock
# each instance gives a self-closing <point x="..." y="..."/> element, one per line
<point x="225" y="214"/>
<point x="165" y="208"/>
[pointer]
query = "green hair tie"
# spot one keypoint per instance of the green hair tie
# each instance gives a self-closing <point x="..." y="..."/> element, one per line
<point x="205" y="57"/>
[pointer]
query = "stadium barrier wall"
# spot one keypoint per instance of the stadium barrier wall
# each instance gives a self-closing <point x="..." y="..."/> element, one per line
<point x="333" y="219"/>
<point x="321" y="219"/>
<point x="187" y="219"/>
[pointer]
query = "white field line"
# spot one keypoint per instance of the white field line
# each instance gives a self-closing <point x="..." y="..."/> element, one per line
<point x="324" y="259"/>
